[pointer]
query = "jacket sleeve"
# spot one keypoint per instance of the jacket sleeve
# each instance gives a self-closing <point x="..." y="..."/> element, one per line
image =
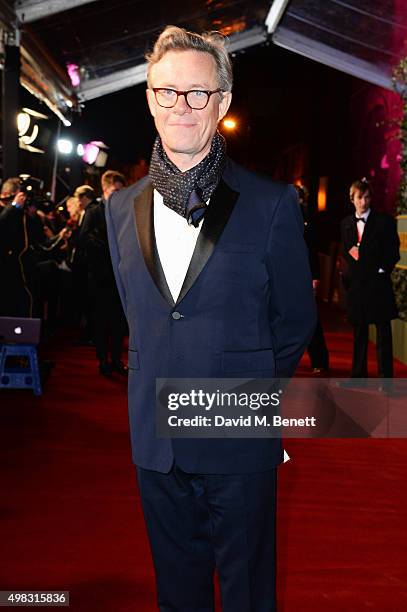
<point x="292" y="303"/>
<point x="114" y="250"/>
<point x="391" y="246"/>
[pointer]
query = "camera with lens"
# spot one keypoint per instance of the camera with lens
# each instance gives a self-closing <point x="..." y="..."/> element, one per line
<point x="36" y="197"/>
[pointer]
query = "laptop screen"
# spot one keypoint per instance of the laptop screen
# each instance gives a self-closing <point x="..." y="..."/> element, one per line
<point x="19" y="330"/>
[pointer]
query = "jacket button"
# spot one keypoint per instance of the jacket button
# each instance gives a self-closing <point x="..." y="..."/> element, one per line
<point x="176" y="315"/>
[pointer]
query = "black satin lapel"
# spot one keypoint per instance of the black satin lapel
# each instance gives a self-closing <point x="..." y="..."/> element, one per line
<point x="369" y="226"/>
<point x="219" y="210"/>
<point x="144" y="213"/>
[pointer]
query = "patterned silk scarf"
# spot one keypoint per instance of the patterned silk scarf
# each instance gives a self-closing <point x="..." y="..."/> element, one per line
<point x="187" y="192"/>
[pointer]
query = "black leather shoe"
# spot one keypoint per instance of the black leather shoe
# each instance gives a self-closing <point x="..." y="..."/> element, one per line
<point x="105" y="369"/>
<point x="120" y="368"/>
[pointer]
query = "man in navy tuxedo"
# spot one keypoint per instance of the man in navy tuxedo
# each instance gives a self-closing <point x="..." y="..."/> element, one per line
<point x="213" y="274"/>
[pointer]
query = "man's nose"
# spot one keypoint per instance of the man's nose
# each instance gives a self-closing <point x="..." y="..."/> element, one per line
<point x="181" y="105"/>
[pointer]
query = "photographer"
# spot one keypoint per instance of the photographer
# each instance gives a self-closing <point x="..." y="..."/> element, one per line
<point x="28" y="258"/>
<point x="20" y="231"/>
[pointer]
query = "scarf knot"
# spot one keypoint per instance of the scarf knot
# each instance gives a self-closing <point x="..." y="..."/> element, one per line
<point x="187" y="192"/>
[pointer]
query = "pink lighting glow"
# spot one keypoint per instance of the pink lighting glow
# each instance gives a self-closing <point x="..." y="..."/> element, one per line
<point x="384" y="164"/>
<point x="73" y="72"/>
<point x="91" y="153"/>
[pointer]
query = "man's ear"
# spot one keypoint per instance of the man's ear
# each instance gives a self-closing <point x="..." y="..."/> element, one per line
<point x="224" y="104"/>
<point x="151" y="101"/>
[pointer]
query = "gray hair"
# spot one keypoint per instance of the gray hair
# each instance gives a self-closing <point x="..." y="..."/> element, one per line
<point x="179" y="39"/>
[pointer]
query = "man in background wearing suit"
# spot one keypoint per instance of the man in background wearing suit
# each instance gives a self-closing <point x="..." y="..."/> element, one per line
<point x="317" y="349"/>
<point x="106" y="312"/>
<point x="371" y="250"/>
<point x="213" y="274"/>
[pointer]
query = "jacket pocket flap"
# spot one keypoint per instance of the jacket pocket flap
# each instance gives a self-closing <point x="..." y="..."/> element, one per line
<point x="134" y="363"/>
<point x="246" y="361"/>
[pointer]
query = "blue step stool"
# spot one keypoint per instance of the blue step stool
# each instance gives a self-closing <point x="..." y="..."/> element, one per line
<point x="18" y="377"/>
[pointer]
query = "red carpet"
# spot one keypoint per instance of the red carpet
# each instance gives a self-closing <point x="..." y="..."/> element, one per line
<point x="70" y="518"/>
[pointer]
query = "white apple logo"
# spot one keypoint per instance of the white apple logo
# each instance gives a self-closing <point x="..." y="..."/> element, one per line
<point x="18" y="330"/>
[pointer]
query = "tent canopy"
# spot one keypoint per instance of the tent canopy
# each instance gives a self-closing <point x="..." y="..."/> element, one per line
<point x="107" y="40"/>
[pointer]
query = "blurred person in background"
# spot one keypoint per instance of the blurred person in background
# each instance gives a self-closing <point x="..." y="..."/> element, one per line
<point x="30" y="252"/>
<point x="86" y="198"/>
<point x="69" y="301"/>
<point x="74" y="209"/>
<point x="51" y="219"/>
<point x="9" y="190"/>
<point x="111" y="181"/>
<point x="317" y="349"/>
<point x="20" y="232"/>
<point x="74" y="213"/>
<point x="371" y="250"/>
<point x="106" y="312"/>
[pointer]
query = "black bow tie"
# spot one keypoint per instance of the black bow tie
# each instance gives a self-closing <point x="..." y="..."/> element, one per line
<point x="360" y="219"/>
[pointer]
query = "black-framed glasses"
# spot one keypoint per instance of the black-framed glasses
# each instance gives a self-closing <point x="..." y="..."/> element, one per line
<point x="197" y="99"/>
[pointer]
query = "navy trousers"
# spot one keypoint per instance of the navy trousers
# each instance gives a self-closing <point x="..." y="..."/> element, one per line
<point x="198" y="523"/>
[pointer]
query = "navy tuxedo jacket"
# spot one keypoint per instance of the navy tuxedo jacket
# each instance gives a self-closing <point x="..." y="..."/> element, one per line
<point x="246" y="303"/>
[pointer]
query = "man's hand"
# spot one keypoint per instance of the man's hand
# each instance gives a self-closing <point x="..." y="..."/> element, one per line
<point x="20" y="198"/>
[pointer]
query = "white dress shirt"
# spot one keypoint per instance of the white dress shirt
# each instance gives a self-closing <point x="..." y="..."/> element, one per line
<point x="175" y="241"/>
